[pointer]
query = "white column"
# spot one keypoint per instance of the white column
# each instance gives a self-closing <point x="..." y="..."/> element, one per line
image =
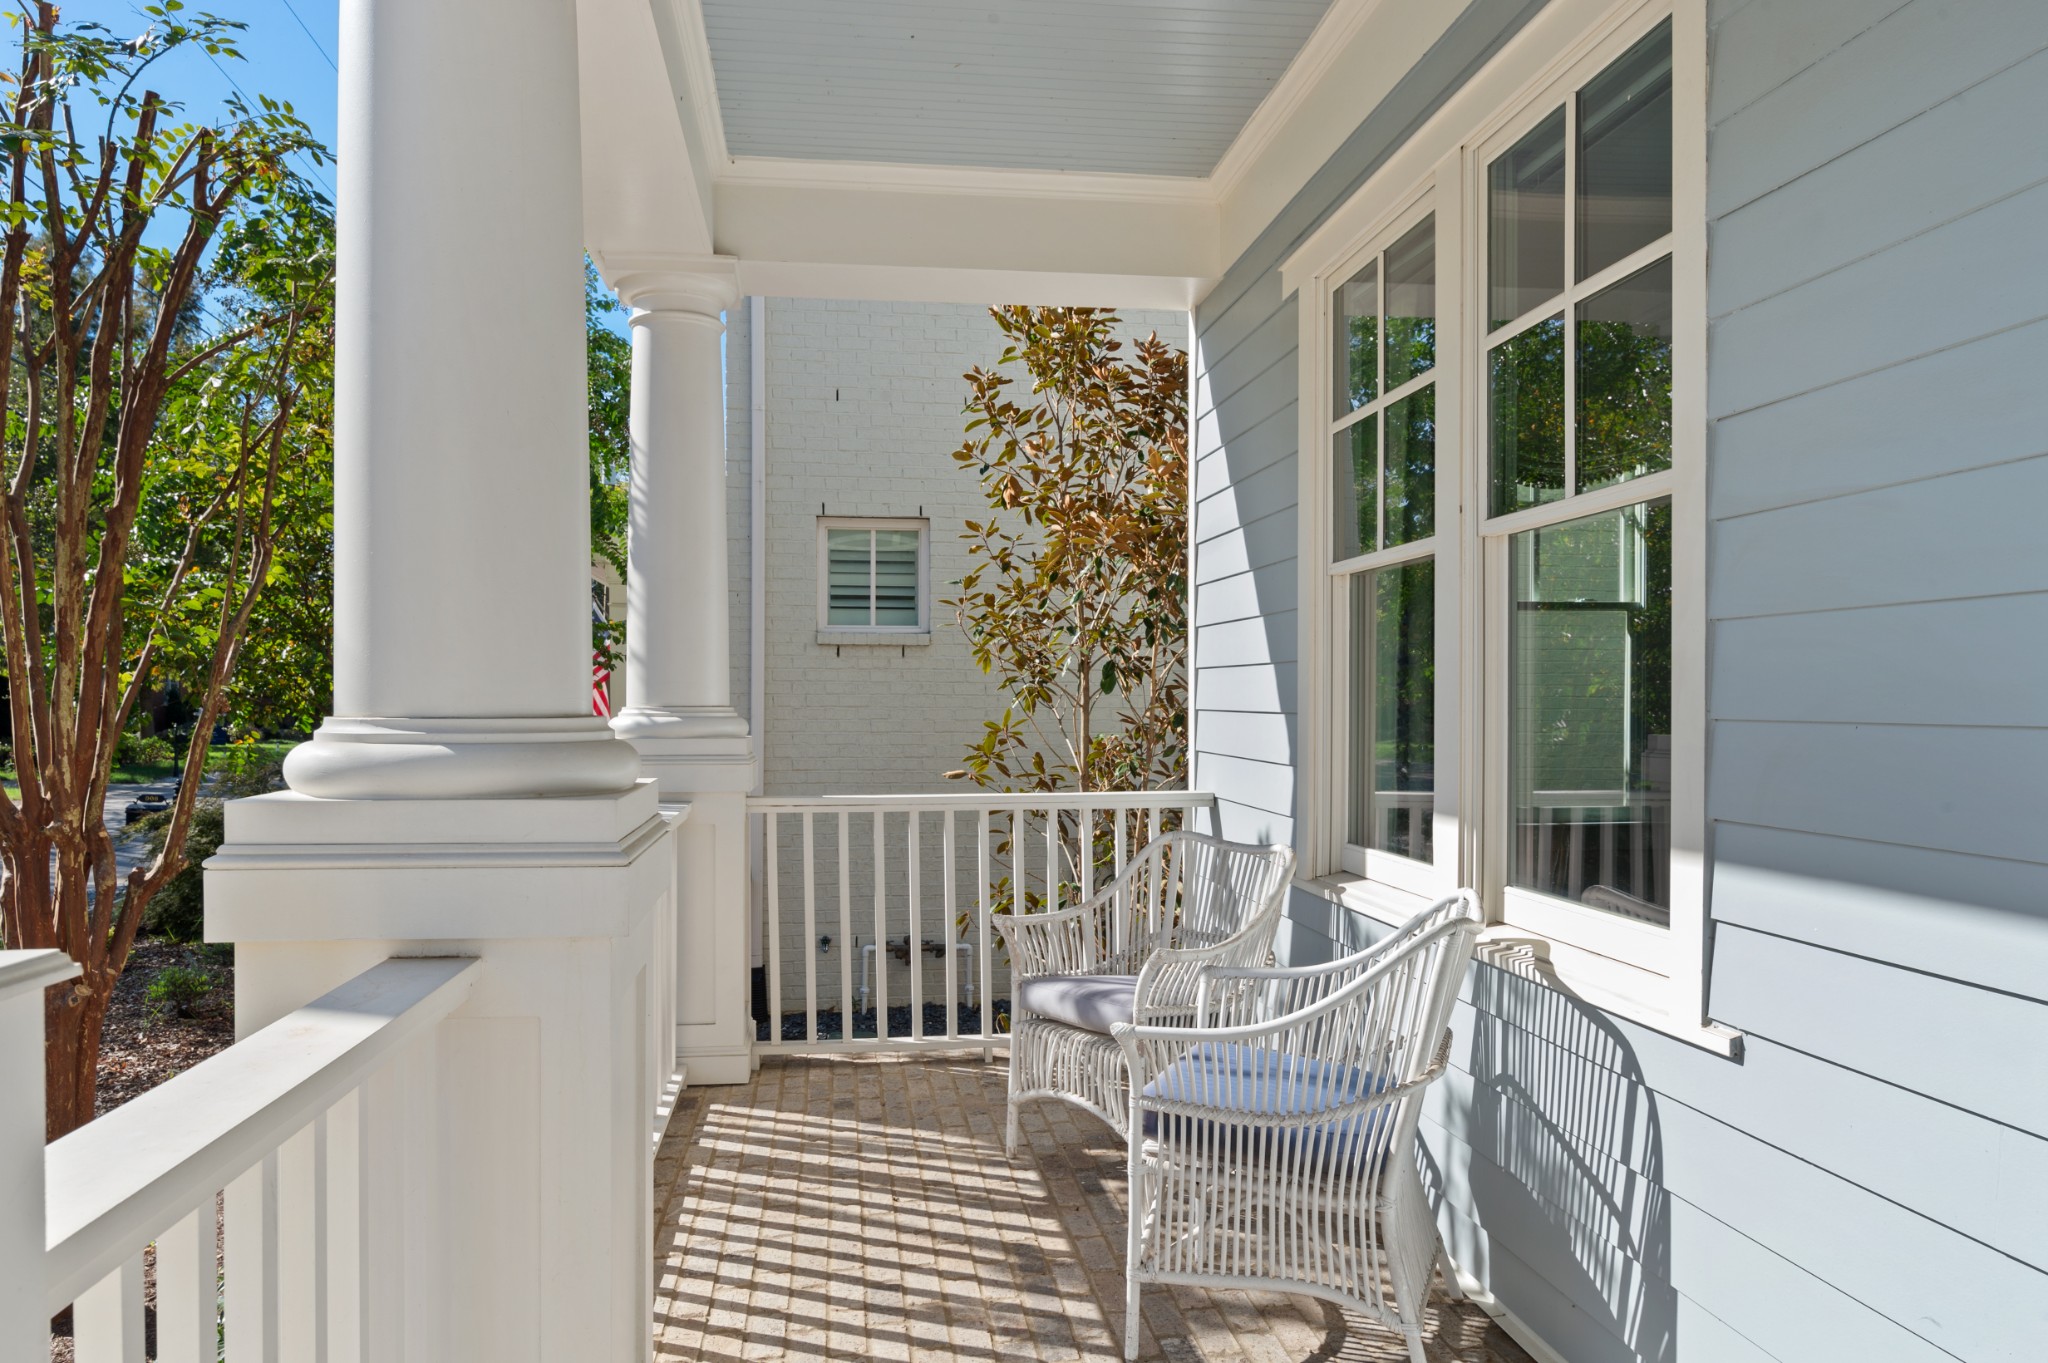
<point x="464" y="801"/>
<point x="461" y="610"/>
<point x="678" y="649"/>
<point x="678" y="652"/>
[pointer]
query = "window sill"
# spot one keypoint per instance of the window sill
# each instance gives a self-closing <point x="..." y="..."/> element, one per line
<point x="1614" y="987"/>
<point x="908" y="638"/>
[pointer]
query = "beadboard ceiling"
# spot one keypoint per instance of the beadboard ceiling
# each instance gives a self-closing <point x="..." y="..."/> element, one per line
<point x="1145" y="87"/>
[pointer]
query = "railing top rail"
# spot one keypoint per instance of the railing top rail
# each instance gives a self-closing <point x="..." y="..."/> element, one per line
<point x="119" y="1181"/>
<point x="1053" y="799"/>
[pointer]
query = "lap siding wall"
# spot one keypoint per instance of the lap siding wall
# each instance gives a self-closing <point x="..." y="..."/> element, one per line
<point x="1870" y="1181"/>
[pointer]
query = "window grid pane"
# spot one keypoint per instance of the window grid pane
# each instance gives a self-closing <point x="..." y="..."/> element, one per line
<point x="1624" y="155"/>
<point x="1411" y="304"/>
<point x="1589" y="711"/>
<point x="1393" y="710"/>
<point x="1357" y="312"/>
<point x="896" y="578"/>
<point x="848" y="585"/>
<point x="1623" y="392"/>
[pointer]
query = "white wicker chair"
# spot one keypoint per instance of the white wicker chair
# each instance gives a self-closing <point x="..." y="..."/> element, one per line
<point x="1273" y="1146"/>
<point x="1131" y="952"/>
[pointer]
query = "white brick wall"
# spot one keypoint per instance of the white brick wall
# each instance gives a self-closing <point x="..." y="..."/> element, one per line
<point x="864" y="412"/>
<point x="864" y="408"/>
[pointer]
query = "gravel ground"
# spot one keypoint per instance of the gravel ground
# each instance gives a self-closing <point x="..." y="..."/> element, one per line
<point x="831" y="1023"/>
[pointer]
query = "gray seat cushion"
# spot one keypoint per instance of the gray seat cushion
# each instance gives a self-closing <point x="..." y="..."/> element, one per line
<point x="1229" y="1079"/>
<point x="1091" y="1002"/>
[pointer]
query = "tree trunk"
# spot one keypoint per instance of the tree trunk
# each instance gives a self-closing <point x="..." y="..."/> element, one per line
<point x="73" y="1014"/>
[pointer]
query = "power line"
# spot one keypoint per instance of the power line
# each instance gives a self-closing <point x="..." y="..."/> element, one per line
<point x="311" y="39"/>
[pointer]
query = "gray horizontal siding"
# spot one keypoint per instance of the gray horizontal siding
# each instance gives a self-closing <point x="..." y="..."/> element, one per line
<point x="1870" y="1180"/>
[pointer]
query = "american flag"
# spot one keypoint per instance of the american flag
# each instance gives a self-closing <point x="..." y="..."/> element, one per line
<point x="600" y="687"/>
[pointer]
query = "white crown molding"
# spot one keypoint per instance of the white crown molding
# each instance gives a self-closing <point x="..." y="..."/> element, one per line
<point x="980" y="181"/>
<point x="701" y="77"/>
<point x="1327" y="41"/>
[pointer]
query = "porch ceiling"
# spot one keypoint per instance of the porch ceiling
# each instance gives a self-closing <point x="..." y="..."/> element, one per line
<point x="1144" y="87"/>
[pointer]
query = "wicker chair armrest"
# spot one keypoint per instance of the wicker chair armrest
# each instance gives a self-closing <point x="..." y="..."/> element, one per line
<point x="1062" y="941"/>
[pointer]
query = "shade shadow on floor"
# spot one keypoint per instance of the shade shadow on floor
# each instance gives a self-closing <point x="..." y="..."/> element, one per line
<point x="861" y="1207"/>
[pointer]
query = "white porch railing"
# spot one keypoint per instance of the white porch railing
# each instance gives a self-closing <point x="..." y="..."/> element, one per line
<point x="857" y="888"/>
<point x="311" y="1131"/>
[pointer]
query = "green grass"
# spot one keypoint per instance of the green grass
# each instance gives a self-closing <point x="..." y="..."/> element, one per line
<point x="136" y="774"/>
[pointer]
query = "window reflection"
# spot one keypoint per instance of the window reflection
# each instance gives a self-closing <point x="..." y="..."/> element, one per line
<point x="1590" y="710"/>
<point x="1411" y="303"/>
<point x="1357" y="312"/>
<point x="1393" y="709"/>
<point x="1526" y="396"/>
<point x="1411" y="467"/>
<point x="1624" y="379"/>
<point x="1525" y="232"/>
<point x="1354" y="494"/>
<point x="1624" y="190"/>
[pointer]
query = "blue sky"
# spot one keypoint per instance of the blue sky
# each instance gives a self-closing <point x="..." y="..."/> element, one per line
<point x="286" y="49"/>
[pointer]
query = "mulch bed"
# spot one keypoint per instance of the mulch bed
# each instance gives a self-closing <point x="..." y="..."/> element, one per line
<point x="145" y="1044"/>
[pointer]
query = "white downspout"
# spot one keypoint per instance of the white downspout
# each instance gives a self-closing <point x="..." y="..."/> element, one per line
<point x="757" y="590"/>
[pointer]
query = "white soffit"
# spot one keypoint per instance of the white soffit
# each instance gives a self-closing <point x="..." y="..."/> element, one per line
<point x="1131" y="87"/>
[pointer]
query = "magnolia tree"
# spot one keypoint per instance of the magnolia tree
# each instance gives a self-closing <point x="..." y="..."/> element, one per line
<point x="1076" y="600"/>
<point x="166" y="286"/>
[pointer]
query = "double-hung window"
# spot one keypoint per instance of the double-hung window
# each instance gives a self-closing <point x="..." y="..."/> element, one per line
<point x="871" y="577"/>
<point x="1504" y="559"/>
<point x="1383" y="548"/>
<point x="1578" y="519"/>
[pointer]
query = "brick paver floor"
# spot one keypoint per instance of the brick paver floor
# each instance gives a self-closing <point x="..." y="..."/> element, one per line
<point x="861" y="1207"/>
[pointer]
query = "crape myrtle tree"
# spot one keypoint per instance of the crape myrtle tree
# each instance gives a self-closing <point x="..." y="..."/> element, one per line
<point x="1075" y="600"/>
<point x="167" y="308"/>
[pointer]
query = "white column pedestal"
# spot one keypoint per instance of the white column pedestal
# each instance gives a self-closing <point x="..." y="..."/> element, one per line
<point x="530" y="1208"/>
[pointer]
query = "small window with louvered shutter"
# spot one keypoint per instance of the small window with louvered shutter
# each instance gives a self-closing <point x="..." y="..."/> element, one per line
<point x="871" y="576"/>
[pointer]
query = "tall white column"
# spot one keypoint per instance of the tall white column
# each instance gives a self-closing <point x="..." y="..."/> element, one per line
<point x="678" y="654"/>
<point x="464" y="801"/>
<point x="678" y="651"/>
<point x="462" y="555"/>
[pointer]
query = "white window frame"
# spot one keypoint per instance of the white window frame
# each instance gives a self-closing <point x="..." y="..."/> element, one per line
<point x="1655" y="976"/>
<point x="1396" y="873"/>
<point x="829" y="633"/>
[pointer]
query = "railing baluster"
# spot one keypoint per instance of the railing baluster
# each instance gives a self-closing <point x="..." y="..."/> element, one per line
<point x="1020" y="828"/>
<point x="1076" y="864"/>
<point x="1084" y="843"/>
<point x="187" y="1290"/>
<point x="1052" y="858"/>
<point x="773" y="927"/>
<point x="915" y="937"/>
<point x="845" y="932"/>
<point x="106" y="1320"/>
<point x="249" y="1238"/>
<point x="982" y="871"/>
<point x="881" y="930"/>
<point x="810" y="953"/>
<point x="301" y="1243"/>
<point x="343" y="1190"/>
<point x="948" y="848"/>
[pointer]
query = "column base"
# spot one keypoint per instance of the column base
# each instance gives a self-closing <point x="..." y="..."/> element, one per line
<point x="532" y="1163"/>
<point x="375" y="758"/>
<point x="705" y="757"/>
